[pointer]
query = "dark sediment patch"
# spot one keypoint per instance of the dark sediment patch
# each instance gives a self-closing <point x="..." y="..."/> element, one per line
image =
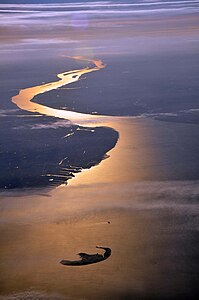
<point x="87" y="259"/>
<point x="46" y="151"/>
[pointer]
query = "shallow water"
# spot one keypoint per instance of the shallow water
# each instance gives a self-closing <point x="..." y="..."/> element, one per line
<point x="142" y="201"/>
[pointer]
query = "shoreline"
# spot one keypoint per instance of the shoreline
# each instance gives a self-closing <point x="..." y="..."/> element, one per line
<point x="130" y="203"/>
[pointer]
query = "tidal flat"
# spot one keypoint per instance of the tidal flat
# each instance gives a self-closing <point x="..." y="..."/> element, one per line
<point x="104" y="152"/>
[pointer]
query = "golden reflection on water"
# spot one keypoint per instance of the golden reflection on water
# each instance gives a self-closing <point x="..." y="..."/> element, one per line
<point x="35" y="265"/>
<point x="126" y="162"/>
<point x="129" y="161"/>
<point x="44" y="231"/>
<point x="24" y="99"/>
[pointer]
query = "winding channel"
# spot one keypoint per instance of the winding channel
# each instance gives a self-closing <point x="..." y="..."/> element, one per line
<point x="126" y="164"/>
<point x="25" y="101"/>
<point x="25" y="96"/>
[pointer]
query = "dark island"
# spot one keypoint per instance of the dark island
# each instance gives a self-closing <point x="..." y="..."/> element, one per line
<point x="87" y="259"/>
